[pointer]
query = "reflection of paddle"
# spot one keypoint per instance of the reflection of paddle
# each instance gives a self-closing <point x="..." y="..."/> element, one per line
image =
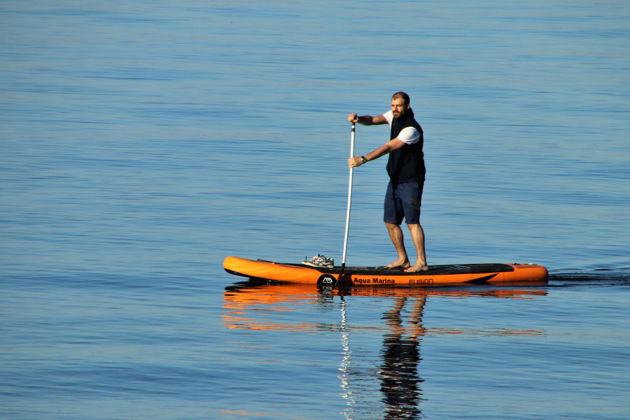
<point x="347" y="358"/>
<point x="347" y="230"/>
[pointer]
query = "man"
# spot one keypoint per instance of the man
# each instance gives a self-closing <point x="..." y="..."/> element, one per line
<point x="406" y="177"/>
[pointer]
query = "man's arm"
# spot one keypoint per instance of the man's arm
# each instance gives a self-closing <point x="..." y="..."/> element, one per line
<point x="367" y="119"/>
<point x="388" y="147"/>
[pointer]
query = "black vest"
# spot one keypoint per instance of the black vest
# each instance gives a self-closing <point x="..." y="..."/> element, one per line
<point x="407" y="163"/>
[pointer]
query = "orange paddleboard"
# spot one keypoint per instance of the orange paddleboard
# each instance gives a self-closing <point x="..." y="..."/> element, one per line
<point x="437" y="275"/>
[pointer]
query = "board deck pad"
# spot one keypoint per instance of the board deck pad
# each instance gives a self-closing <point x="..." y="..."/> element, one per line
<point x="433" y="269"/>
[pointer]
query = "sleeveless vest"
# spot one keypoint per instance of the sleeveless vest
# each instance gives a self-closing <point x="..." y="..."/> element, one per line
<point x="407" y="163"/>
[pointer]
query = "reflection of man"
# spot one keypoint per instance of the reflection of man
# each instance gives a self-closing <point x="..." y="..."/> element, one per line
<point x="401" y="356"/>
<point x="406" y="173"/>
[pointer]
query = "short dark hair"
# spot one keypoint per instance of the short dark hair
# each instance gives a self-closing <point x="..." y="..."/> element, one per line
<point x="404" y="97"/>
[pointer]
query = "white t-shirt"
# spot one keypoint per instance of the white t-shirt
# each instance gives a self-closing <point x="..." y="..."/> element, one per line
<point x="408" y="135"/>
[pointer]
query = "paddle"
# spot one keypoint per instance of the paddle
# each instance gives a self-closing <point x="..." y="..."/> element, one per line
<point x="347" y="230"/>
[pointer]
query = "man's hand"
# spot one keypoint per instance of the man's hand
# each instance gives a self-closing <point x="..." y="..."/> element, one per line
<point x="355" y="161"/>
<point x="353" y="118"/>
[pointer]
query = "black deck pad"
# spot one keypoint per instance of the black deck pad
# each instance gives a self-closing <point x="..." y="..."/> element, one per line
<point x="433" y="269"/>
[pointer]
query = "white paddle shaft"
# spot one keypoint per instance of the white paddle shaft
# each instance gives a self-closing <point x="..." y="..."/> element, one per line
<point x="348" y="206"/>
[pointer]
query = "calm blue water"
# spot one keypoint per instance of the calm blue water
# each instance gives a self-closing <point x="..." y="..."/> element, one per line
<point x="142" y="142"/>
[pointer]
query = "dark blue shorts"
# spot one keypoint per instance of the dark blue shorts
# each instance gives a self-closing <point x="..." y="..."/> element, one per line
<point x="403" y="200"/>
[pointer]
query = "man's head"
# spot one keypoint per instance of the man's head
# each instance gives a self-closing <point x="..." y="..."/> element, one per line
<point x="400" y="104"/>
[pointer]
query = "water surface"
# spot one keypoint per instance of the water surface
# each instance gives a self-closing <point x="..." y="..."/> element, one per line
<point x="142" y="143"/>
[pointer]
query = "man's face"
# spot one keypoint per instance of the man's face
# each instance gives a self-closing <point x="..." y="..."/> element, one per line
<point x="398" y="107"/>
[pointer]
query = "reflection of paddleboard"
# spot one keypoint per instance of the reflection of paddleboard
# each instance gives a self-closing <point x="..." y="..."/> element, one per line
<point x="376" y="276"/>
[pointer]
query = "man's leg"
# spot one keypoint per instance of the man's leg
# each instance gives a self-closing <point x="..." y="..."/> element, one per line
<point x="396" y="235"/>
<point x="417" y="235"/>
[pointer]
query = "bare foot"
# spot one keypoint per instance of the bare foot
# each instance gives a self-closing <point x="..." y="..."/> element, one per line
<point x="398" y="264"/>
<point x="417" y="268"/>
